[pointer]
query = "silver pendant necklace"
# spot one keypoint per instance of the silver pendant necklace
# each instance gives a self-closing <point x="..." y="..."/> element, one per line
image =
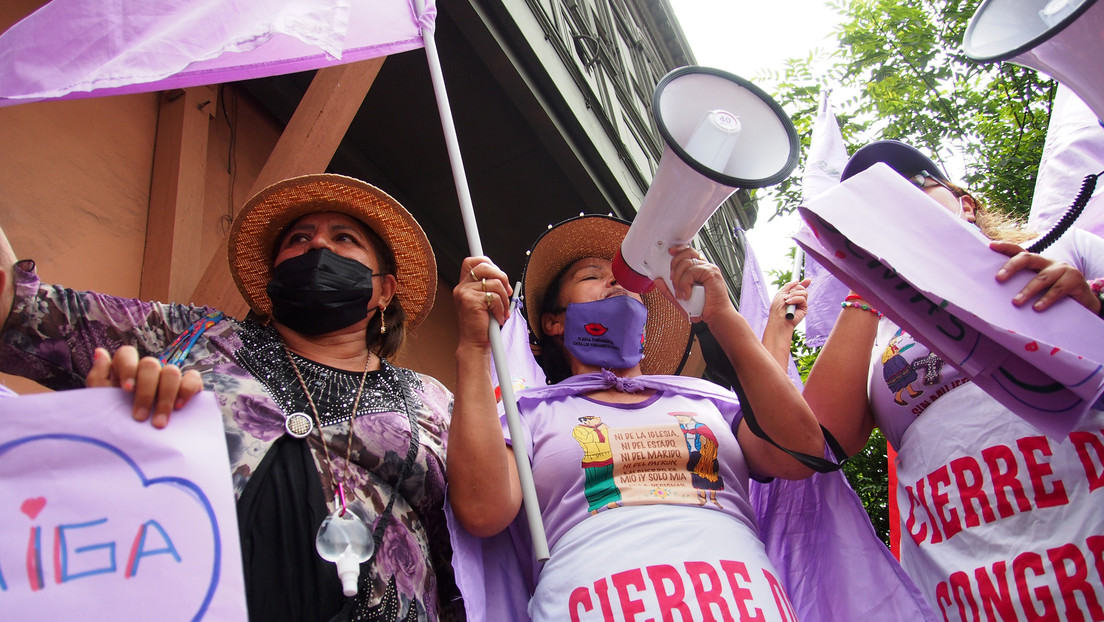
<point x="343" y="536"/>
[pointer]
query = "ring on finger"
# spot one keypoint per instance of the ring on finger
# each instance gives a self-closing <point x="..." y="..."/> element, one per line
<point x="472" y="273"/>
<point x="483" y="284"/>
<point x="488" y="298"/>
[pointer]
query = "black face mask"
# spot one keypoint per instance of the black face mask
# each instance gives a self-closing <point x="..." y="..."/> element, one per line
<point x="319" y="292"/>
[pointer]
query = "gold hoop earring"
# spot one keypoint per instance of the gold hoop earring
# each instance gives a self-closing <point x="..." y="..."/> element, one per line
<point x="383" y="323"/>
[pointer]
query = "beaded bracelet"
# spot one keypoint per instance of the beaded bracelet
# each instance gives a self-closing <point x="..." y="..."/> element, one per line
<point x="861" y="306"/>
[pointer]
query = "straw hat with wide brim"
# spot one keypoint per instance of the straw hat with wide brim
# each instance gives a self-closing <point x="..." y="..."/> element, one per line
<point x="667" y="332"/>
<point x="257" y="226"/>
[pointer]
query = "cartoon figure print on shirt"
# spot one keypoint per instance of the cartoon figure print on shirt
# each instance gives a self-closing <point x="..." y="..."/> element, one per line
<point x="703" y="465"/>
<point x="898" y="372"/>
<point x="922" y="373"/>
<point x="592" y="434"/>
<point x="674" y="463"/>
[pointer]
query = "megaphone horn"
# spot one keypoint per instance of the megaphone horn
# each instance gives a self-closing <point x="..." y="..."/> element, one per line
<point x="721" y="133"/>
<point x="1062" y="38"/>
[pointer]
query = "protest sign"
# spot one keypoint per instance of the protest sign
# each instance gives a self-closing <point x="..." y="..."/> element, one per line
<point x="933" y="274"/>
<point x="105" y="518"/>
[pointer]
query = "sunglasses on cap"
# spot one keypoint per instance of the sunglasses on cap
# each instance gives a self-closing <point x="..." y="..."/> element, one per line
<point x="920" y="180"/>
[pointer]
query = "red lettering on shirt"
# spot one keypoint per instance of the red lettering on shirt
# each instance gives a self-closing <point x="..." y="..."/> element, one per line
<point x="1005" y="479"/>
<point x="1090" y="450"/>
<point x="708" y="596"/>
<point x="732" y="570"/>
<point x="1073" y="577"/>
<point x="1032" y="563"/>
<point x="995" y="597"/>
<point x="1096" y="550"/>
<point x="580" y="597"/>
<point x="601" y="588"/>
<point x="622" y="581"/>
<point x="920" y="535"/>
<point x="785" y="607"/>
<point x="718" y="591"/>
<point x="937" y="536"/>
<point x="948" y="517"/>
<point x="963" y="595"/>
<point x="1039" y="470"/>
<point x="969" y="479"/>
<point x="672" y="599"/>
<point x="1059" y="584"/>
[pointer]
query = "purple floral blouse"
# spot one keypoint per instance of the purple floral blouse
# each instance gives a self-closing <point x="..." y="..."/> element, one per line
<point x="50" y="337"/>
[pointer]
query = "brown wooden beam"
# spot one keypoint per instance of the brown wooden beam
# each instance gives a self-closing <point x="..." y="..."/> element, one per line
<point x="306" y="146"/>
<point x="175" y="218"/>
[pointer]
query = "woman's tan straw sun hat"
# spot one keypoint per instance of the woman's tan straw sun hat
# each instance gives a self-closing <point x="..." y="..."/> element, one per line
<point x="259" y="223"/>
<point x="667" y="332"/>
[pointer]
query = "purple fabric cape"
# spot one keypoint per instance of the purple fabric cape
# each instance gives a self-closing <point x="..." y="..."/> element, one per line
<point x="816" y="533"/>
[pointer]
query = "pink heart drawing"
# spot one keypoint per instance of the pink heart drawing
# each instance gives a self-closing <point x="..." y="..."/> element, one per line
<point x="31" y="507"/>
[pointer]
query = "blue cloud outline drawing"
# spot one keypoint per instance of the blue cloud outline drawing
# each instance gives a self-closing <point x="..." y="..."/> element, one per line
<point x="178" y="482"/>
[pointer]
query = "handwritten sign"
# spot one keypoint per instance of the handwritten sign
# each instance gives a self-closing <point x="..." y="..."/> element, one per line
<point x="104" y="518"/>
<point x="933" y="275"/>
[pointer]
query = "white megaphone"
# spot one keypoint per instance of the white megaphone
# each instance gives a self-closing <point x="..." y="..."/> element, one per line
<point x="1062" y="38"/>
<point x="721" y="133"/>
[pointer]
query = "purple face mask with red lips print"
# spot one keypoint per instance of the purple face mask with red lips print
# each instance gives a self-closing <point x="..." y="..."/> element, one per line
<point x="607" y="333"/>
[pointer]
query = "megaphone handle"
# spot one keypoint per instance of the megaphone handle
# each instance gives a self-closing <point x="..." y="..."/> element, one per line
<point x="696" y="302"/>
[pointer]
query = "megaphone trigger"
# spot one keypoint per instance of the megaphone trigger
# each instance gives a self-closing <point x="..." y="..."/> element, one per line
<point x="695" y="303"/>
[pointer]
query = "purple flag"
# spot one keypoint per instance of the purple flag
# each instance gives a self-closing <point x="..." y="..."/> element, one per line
<point x="755" y="305"/>
<point x="84" y="48"/>
<point x="835" y="566"/>
<point x="523" y="367"/>
<point x="754" y="300"/>
<point x="823" y="167"/>
<point x="940" y="288"/>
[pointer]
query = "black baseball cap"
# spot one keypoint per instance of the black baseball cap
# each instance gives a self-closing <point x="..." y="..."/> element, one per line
<point x="905" y="159"/>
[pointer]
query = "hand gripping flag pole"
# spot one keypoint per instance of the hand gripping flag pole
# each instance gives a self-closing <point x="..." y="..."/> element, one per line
<point x="798" y="267"/>
<point x="498" y="351"/>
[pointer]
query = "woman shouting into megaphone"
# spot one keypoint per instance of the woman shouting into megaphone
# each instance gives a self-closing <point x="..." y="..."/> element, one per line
<point x="642" y="476"/>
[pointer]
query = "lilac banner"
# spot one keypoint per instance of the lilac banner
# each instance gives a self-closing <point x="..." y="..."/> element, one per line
<point x="104" y="518"/>
<point x="87" y="48"/>
<point x="933" y="274"/>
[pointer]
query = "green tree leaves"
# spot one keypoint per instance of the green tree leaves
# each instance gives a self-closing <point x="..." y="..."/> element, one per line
<point x="900" y="73"/>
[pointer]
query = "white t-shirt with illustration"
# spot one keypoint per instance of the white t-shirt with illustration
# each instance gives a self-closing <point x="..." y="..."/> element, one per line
<point x="997" y="520"/>
<point x="646" y="511"/>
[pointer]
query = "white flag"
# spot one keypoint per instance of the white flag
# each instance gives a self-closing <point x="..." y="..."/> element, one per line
<point x="1074" y="148"/>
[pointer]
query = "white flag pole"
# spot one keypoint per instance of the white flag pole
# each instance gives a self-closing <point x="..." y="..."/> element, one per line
<point x="798" y="266"/>
<point x="498" y="351"/>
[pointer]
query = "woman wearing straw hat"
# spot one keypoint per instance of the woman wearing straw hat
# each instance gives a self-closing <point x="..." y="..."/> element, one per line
<point x="321" y="428"/>
<point x="659" y="544"/>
